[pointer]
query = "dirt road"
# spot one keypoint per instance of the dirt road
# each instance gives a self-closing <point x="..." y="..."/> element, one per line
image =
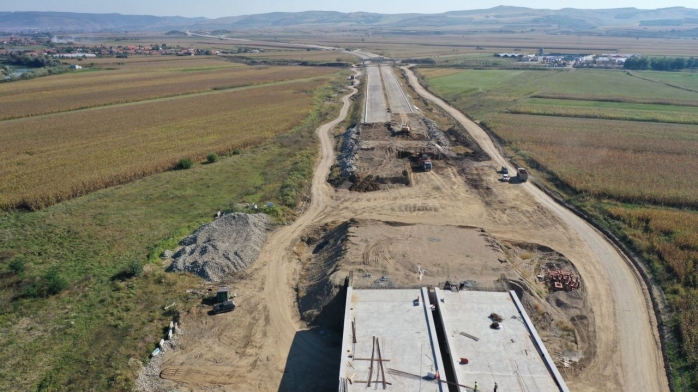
<point x="627" y="332"/>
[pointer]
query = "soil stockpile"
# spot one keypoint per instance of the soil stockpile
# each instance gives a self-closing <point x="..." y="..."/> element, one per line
<point x="222" y="247"/>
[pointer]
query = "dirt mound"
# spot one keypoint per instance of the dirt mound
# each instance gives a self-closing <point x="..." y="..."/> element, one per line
<point x="222" y="247"/>
<point x="368" y="183"/>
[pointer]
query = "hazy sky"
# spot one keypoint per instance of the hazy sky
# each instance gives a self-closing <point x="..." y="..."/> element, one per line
<point x="219" y="8"/>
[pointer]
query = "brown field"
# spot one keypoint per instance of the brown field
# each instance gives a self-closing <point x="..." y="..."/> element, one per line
<point x="44" y="160"/>
<point x="416" y="45"/>
<point x="633" y="162"/>
<point x="304" y="55"/>
<point x="135" y="81"/>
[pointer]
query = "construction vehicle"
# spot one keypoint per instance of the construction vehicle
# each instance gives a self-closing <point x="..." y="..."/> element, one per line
<point x="522" y="174"/>
<point x="425" y="163"/>
<point x="223" y="307"/>
<point x="223" y="294"/>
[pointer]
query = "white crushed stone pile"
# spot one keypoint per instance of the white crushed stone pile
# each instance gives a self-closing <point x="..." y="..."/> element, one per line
<point x="227" y="245"/>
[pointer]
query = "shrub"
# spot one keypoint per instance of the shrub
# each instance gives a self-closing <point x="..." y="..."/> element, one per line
<point x="55" y="283"/>
<point x="17" y="265"/>
<point x="184" y="164"/>
<point x="134" y="268"/>
<point x="212" y="157"/>
<point x="51" y="283"/>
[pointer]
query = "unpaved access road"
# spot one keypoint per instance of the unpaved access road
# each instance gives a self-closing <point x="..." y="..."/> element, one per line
<point x="627" y="329"/>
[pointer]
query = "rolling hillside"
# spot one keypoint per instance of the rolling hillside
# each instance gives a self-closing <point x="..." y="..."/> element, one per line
<point x="497" y="18"/>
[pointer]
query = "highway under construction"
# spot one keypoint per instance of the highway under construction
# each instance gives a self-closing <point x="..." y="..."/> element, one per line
<point x="406" y="228"/>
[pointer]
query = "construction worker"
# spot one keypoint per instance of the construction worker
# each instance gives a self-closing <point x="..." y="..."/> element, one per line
<point x="475" y="389"/>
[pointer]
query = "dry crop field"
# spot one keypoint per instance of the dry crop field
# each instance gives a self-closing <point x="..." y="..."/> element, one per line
<point x="46" y="159"/>
<point x="147" y="78"/>
<point x="672" y="236"/>
<point x="410" y="45"/>
<point x="635" y="162"/>
<point x="319" y="56"/>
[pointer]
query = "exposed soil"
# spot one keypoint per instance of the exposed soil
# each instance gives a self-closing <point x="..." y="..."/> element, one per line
<point x="563" y="318"/>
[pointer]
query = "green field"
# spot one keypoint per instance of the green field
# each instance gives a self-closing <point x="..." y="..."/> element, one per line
<point x="608" y="110"/>
<point x="479" y="92"/>
<point x="684" y="79"/>
<point x="96" y="331"/>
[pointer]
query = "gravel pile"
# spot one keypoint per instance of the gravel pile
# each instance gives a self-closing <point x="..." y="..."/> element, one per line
<point x="436" y="135"/>
<point x="225" y="246"/>
<point x="347" y="157"/>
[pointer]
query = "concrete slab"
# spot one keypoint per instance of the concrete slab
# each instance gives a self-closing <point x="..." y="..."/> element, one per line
<point x="508" y="356"/>
<point x="402" y="322"/>
<point x="396" y="97"/>
<point x="376" y="110"/>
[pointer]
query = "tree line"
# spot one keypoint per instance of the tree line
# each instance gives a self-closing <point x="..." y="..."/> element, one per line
<point x="661" y="63"/>
<point x="32" y="61"/>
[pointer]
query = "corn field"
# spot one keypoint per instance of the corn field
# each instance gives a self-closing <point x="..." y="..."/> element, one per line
<point x="632" y="162"/>
<point x="46" y="160"/>
<point x="135" y="82"/>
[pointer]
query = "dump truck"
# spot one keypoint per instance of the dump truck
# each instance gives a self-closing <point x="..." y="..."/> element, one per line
<point x="425" y="163"/>
<point x="522" y="174"/>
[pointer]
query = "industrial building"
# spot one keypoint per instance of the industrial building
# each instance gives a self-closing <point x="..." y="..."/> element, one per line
<point x="439" y="341"/>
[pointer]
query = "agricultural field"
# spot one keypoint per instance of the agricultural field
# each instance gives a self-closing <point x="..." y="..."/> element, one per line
<point x="579" y="133"/>
<point x="668" y="239"/>
<point x="634" y="162"/>
<point x="141" y="78"/>
<point x="311" y="56"/>
<point x="75" y="314"/>
<point x="48" y="159"/>
<point x="613" y="85"/>
<point x="608" y="110"/>
<point x="687" y="80"/>
<point x="416" y="44"/>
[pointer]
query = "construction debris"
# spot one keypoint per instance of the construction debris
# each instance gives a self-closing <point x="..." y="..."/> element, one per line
<point x="560" y="279"/>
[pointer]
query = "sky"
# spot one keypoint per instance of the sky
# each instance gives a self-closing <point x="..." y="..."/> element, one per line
<point x="220" y="8"/>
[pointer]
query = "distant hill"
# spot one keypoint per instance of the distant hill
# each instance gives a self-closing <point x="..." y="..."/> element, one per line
<point x="11" y="21"/>
<point x="497" y="18"/>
